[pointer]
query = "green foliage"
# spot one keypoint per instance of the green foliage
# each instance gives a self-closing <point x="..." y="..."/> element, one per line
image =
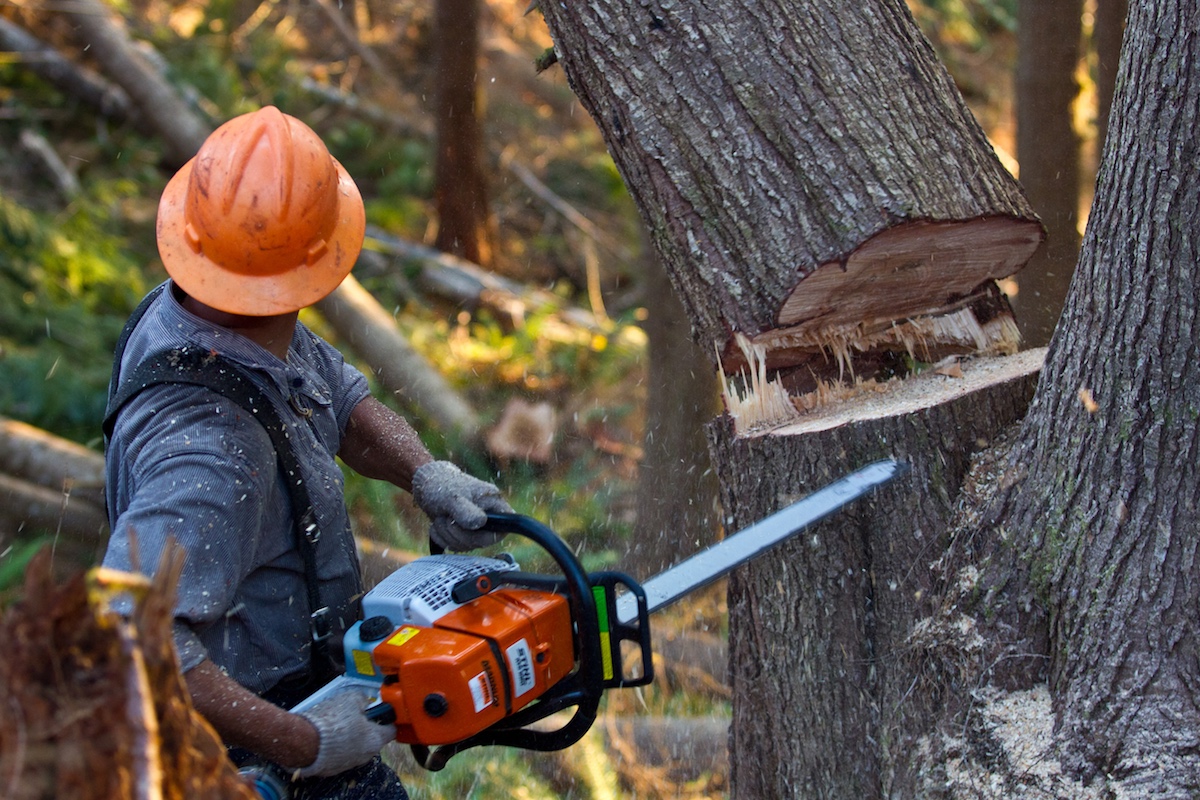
<point x="14" y="558"/>
<point x="479" y="775"/>
<point x="393" y="168"/>
<point x="66" y="285"/>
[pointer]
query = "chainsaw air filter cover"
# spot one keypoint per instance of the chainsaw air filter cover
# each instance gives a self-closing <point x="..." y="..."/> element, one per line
<point x="419" y="593"/>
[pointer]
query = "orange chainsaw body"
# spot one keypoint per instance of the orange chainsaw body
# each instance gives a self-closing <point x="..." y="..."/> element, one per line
<point x="475" y="665"/>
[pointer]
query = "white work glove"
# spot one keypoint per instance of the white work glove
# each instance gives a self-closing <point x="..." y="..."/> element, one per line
<point x="347" y="738"/>
<point x="457" y="505"/>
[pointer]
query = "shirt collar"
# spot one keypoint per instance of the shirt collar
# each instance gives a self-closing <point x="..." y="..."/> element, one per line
<point x="233" y="346"/>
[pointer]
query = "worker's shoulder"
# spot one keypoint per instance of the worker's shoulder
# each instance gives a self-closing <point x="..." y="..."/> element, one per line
<point x="170" y="420"/>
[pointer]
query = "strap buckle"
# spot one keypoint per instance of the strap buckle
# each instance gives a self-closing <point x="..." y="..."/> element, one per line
<point x="308" y="524"/>
<point x="321" y="624"/>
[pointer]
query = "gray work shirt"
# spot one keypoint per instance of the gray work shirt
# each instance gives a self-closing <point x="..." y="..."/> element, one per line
<point x="187" y="464"/>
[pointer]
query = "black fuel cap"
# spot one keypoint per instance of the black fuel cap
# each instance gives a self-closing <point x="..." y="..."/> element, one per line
<point x="375" y="628"/>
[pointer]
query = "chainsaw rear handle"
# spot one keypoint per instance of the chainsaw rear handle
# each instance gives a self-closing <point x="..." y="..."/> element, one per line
<point x="582" y="688"/>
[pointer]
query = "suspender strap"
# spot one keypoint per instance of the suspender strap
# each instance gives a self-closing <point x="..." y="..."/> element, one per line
<point x="203" y="368"/>
<point x="119" y="354"/>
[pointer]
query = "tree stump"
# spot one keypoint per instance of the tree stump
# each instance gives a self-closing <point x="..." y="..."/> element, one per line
<point x="821" y="631"/>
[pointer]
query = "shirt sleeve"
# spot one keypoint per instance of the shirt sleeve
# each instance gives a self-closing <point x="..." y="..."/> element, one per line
<point x="202" y="482"/>
<point x="346" y="383"/>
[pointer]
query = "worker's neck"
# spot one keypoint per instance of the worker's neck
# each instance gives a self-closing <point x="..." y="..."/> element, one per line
<point x="273" y="333"/>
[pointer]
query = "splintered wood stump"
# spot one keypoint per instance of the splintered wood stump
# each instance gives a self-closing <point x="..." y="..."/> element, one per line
<point x="811" y="177"/>
<point x="94" y="706"/>
<point x="832" y="684"/>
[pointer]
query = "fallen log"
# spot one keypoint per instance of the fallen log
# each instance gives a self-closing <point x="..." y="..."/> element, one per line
<point x="181" y="129"/>
<point x="691" y="662"/>
<point x="371" y="332"/>
<point x="670" y="756"/>
<point x="77" y="81"/>
<point x="51" y="486"/>
<point x="58" y="464"/>
<point x="469" y="286"/>
<point x="78" y="527"/>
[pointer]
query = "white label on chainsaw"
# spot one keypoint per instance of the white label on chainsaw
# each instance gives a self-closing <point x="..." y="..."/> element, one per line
<point x="520" y="664"/>
<point x="481" y="692"/>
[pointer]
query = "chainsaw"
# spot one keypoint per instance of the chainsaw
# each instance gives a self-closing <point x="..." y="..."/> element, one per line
<point x="467" y="650"/>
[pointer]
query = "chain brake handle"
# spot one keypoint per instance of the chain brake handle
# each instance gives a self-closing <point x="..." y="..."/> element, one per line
<point x="598" y="636"/>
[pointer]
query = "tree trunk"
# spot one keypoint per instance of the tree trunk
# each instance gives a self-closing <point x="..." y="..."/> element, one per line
<point x="857" y="669"/>
<point x="830" y="195"/>
<point x="792" y="164"/>
<point x="677" y="511"/>
<point x="460" y="193"/>
<point x="820" y="631"/>
<point x="1048" y="36"/>
<point x="1107" y="496"/>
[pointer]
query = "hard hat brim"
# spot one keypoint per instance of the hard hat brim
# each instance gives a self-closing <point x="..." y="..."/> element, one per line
<point x="259" y="295"/>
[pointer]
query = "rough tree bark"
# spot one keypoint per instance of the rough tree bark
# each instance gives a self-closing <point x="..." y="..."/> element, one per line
<point x="876" y="655"/>
<point x="829" y="127"/>
<point x="1105" y="497"/>
<point x="1048" y="39"/>
<point x="828" y="702"/>
<point x="824" y="203"/>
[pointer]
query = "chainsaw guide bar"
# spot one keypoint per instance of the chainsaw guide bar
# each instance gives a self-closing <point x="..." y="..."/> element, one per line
<point x="747" y="544"/>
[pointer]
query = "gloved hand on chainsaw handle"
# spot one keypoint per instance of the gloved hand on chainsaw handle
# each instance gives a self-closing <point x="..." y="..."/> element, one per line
<point x="347" y="738"/>
<point x="457" y="505"/>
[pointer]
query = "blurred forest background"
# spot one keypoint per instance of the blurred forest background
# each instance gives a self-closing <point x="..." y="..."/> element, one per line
<point x="502" y="247"/>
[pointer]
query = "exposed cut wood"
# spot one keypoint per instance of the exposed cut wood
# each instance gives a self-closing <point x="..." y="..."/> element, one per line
<point x="914" y="269"/>
<point x="525" y="432"/>
<point x="981" y="323"/>
<point x="914" y="394"/>
<point x="809" y="188"/>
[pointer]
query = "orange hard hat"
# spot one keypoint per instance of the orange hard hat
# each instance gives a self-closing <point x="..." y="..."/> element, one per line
<point x="263" y="220"/>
